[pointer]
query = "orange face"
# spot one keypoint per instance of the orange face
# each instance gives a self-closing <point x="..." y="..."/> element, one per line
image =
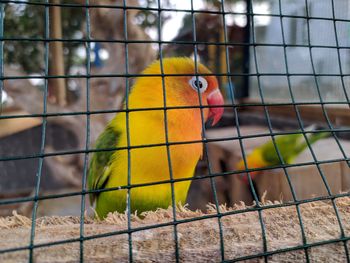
<point x="184" y="88"/>
<point x="207" y="88"/>
<point x="254" y="160"/>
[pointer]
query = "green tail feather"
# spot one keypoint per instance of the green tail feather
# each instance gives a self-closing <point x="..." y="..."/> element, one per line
<point x="289" y="146"/>
<point x="312" y="138"/>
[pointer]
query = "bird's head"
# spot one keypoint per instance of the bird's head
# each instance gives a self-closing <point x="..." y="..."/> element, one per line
<point x="183" y="87"/>
<point x="254" y="160"/>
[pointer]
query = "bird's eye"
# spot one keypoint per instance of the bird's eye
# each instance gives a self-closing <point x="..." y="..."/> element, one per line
<point x="198" y="83"/>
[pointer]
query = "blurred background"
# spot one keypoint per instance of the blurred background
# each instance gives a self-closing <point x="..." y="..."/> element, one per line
<point x="282" y="65"/>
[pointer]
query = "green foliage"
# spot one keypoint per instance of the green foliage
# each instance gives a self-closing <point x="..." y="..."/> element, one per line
<point x="28" y="21"/>
<point x="148" y="19"/>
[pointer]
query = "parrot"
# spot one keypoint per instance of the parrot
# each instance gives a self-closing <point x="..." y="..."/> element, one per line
<point x="289" y="146"/>
<point x="149" y="121"/>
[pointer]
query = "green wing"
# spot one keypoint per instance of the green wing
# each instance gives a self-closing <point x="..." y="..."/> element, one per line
<point x="286" y="146"/>
<point x="312" y="138"/>
<point x="101" y="160"/>
<point x="289" y="146"/>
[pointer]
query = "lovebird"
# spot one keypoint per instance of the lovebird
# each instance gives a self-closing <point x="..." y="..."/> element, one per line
<point x="289" y="146"/>
<point x="147" y="131"/>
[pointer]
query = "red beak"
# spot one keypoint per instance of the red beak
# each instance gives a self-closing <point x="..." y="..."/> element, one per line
<point x="215" y="99"/>
<point x="244" y="176"/>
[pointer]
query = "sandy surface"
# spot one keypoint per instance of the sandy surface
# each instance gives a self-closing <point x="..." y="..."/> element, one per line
<point x="198" y="241"/>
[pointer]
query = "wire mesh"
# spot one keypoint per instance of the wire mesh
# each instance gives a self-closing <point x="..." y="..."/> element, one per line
<point x="250" y="45"/>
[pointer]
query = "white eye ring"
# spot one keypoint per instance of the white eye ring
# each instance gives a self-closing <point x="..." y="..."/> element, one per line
<point x="198" y="83"/>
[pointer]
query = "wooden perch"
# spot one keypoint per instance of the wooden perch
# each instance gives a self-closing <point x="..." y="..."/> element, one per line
<point x="12" y="126"/>
<point x="337" y="114"/>
<point x="198" y="241"/>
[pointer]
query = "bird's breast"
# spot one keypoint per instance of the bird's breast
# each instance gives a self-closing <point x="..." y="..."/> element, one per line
<point x="155" y="155"/>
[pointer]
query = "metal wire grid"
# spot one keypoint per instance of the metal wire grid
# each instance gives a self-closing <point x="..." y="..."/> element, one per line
<point x="211" y="175"/>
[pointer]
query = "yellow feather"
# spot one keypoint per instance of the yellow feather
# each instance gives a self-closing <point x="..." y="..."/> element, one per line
<point x="150" y="164"/>
<point x="254" y="160"/>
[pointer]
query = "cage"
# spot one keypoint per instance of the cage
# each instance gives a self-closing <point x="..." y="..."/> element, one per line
<point x="67" y="68"/>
